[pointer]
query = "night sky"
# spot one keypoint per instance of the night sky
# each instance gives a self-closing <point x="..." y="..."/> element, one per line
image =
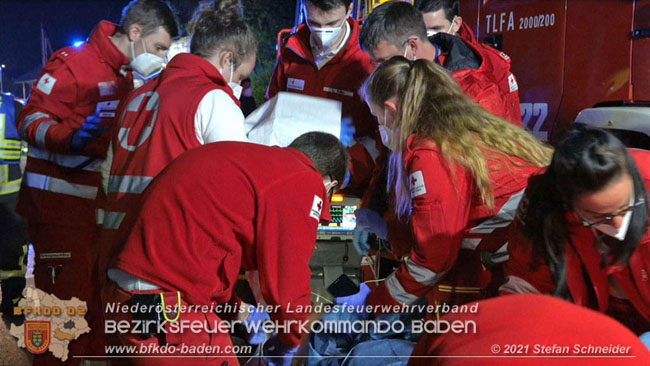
<point x="65" y="22"/>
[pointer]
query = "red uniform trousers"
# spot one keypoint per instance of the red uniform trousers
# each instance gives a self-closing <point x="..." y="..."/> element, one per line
<point x="64" y="266"/>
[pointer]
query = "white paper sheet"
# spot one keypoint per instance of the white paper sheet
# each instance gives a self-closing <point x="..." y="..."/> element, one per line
<point x="288" y="115"/>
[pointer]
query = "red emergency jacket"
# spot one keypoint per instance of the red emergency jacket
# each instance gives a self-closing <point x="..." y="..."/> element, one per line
<point x="497" y="64"/>
<point x="156" y="124"/>
<point x="468" y="67"/>
<point x="60" y="187"/>
<point x="524" y="270"/>
<point x="539" y="330"/>
<point x="339" y="79"/>
<point x="484" y="76"/>
<point x="450" y="224"/>
<point x="226" y="206"/>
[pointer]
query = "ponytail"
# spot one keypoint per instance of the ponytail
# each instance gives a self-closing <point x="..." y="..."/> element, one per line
<point x="433" y="107"/>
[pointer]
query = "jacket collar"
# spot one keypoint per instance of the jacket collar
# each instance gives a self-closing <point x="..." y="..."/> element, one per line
<point x="101" y="42"/>
<point x="457" y="53"/>
<point x="581" y="255"/>
<point x="187" y="64"/>
<point x="466" y="34"/>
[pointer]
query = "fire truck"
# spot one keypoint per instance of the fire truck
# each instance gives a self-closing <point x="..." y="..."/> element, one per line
<point x="585" y="61"/>
<point x="575" y="60"/>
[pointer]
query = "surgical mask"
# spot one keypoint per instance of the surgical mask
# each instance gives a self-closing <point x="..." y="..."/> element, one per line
<point x="326" y="37"/>
<point x="618" y="233"/>
<point x="387" y="134"/>
<point x="236" y="88"/>
<point x="431" y="32"/>
<point x="145" y="64"/>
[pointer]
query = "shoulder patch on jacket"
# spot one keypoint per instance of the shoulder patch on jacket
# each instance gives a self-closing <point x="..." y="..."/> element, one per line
<point x="46" y="83"/>
<point x="512" y="82"/>
<point x="316" y="208"/>
<point x="418" y="187"/>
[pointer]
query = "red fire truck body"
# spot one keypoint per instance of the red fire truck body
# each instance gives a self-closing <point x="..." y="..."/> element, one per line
<point x="571" y="56"/>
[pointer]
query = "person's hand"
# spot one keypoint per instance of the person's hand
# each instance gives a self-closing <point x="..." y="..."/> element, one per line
<point x="347" y="132"/>
<point x="360" y="240"/>
<point x="358" y="300"/>
<point x="274" y="353"/>
<point x="254" y="331"/>
<point x="89" y="131"/>
<point x="368" y="221"/>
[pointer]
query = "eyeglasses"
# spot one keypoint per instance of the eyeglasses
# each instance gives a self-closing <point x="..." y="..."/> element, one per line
<point x="609" y="217"/>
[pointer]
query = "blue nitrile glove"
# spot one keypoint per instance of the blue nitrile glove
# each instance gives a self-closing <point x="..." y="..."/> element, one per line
<point x="254" y="331"/>
<point x="274" y="353"/>
<point x="368" y="221"/>
<point x="358" y="300"/>
<point x="347" y="132"/>
<point x="89" y="131"/>
<point x="645" y="338"/>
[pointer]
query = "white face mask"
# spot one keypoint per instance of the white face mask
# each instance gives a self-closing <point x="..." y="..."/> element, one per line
<point x="385" y="138"/>
<point x="145" y="64"/>
<point x="236" y="88"/>
<point x="388" y="135"/>
<point x="326" y="37"/>
<point x="431" y="32"/>
<point x="618" y="233"/>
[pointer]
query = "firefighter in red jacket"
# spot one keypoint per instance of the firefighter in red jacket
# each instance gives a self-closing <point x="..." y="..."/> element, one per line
<point x="441" y="16"/>
<point x="457" y="173"/>
<point x="72" y="103"/>
<point x="194" y="102"/>
<point x="323" y="59"/>
<point x="582" y="230"/>
<point x="396" y="28"/>
<point x="221" y="208"/>
<point x="530" y="330"/>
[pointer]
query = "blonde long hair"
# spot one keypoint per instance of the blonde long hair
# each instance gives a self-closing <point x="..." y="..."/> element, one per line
<point x="433" y="106"/>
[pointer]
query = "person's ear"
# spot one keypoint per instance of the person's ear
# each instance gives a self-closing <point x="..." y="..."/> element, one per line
<point x="134" y="33"/>
<point x="412" y="43"/>
<point x="455" y="27"/>
<point x="225" y="59"/>
<point x="330" y="186"/>
<point x="392" y="107"/>
<point x="350" y="9"/>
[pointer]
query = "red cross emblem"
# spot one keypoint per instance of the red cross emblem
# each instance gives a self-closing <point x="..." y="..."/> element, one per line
<point x="320" y="206"/>
<point x="413" y="181"/>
